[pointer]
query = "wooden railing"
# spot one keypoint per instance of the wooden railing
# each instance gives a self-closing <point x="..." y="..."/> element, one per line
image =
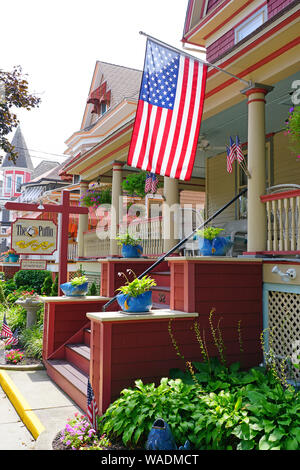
<point x="283" y="221"/>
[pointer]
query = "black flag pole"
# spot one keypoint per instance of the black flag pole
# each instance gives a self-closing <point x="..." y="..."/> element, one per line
<point x="249" y="83"/>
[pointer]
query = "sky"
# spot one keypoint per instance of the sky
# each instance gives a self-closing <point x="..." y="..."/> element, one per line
<point x="57" y="44"/>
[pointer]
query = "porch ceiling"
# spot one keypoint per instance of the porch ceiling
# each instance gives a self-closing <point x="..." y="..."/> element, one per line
<point x="234" y="121"/>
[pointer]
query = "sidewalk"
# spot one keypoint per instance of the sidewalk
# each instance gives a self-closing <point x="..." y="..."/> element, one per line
<point x="41" y="405"/>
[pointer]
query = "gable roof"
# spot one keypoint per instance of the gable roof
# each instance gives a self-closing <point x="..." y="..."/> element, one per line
<point x="43" y="167"/>
<point x="23" y="159"/>
<point x="123" y="82"/>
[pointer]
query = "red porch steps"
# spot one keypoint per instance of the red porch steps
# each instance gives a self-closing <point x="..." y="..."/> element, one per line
<point x="71" y="370"/>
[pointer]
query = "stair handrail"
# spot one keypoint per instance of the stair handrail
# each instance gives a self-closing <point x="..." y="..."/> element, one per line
<point x="179" y="244"/>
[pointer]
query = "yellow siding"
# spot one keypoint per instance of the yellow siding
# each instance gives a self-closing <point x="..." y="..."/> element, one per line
<point x="220" y="189"/>
<point x="286" y="164"/>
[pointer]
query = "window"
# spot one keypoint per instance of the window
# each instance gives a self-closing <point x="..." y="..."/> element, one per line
<point x="19" y="182"/>
<point x="8" y="184"/>
<point x="251" y="24"/>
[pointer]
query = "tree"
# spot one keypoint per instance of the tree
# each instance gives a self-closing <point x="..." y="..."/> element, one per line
<point x="54" y="288"/>
<point x="14" y="93"/>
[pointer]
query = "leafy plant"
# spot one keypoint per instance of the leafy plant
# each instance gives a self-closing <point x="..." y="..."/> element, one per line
<point x="32" y="341"/>
<point x="54" y="288"/>
<point x="93" y="289"/>
<point x="78" y="434"/>
<point x="79" y="280"/>
<point x="31" y="279"/>
<point x="137" y="286"/>
<point x="127" y="239"/>
<point x="134" y="184"/>
<point x="14" y="356"/>
<point x="293" y="128"/>
<point x="209" y="232"/>
<point x="47" y="286"/>
<point x="96" y="197"/>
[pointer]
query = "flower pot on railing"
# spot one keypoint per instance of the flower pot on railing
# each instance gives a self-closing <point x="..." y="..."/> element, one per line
<point x="71" y="290"/>
<point x="131" y="251"/>
<point x="139" y="304"/>
<point x="13" y="258"/>
<point x="211" y="244"/>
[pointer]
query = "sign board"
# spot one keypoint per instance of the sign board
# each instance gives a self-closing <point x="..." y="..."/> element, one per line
<point x="34" y="237"/>
<point x="32" y="264"/>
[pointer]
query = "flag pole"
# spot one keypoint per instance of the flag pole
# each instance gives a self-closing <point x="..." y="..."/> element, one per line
<point x="247" y="82"/>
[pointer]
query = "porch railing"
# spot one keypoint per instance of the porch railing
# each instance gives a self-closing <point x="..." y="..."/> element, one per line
<point x="283" y="221"/>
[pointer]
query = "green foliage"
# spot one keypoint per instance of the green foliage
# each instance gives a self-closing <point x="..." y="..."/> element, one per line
<point x="31" y="279"/>
<point x="54" y="289"/>
<point x="9" y="286"/>
<point x="2" y="295"/>
<point x="293" y="128"/>
<point x="79" y="435"/>
<point x="96" y="197"/>
<point x="127" y="239"/>
<point x="32" y="341"/>
<point x="47" y="286"/>
<point x="93" y="290"/>
<point x="16" y="95"/>
<point x="209" y="232"/>
<point x="15" y="316"/>
<point x="79" y="280"/>
<point x="134" y="184"/>
<point x="137" y="286"/>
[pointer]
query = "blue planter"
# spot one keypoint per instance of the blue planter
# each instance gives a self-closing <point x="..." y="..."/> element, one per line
<point x="74" y="291"/>
<point x="205" y="246"/>
<point x="216" y="247"/>
<point x="141" y="303"/>
<point x="132" y="251"/>
<point x="13" y="258"/>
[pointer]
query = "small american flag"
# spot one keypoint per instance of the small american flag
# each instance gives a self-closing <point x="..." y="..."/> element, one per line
<point x="169" y="113"/>
<point x="154" y="183"/>
<point x="239" y="152"/>
<point x="13" y="339"/>
<point x="5" y="330"/>
<point x="148" y="183"/>
<point x="229" y="160"/>
<point x="92" y="408"/>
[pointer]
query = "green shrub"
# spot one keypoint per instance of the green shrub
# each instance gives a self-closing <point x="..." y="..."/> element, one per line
<point x="54" y="288"/>
<point x="32" y="341"/>
<point x="9" y="286"/>
<point x="93" y="290"/>
<point x="47" y="286"/>
<point x="33" y="279"/>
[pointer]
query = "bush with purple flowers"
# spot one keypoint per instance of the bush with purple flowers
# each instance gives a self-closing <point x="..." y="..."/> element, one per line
<point x="78" y="434"/>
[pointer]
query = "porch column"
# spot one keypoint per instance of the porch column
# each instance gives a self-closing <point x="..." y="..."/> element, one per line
<point x="170" y="213"/>
<point x="116" y="193"/>
<point x="257" y="221"/>
<point x="83" y="222"/>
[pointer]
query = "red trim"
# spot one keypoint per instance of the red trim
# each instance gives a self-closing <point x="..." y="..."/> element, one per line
<point x="271" y="253"/>
<point x="256" y="42"/>
<point x="278" y="196"/>
<point x="256" y="90"/>
<point x="252" y="101"/>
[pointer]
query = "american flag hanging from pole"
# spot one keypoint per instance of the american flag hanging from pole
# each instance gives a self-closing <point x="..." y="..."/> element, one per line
<point x="239" y="152"/>
<point x="169" y="112"/>
<point x="229" y="160"/>
<point x="92" y="408"/>
<point x="5" y="330"/>
<point x="148" y="183"/>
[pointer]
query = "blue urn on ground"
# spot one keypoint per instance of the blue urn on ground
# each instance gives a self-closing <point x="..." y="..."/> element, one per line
<point x="161" y="438"/>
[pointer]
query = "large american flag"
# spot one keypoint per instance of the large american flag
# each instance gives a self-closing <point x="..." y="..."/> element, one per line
<point x="92" y="408"/>
<point x="169" y="112"/>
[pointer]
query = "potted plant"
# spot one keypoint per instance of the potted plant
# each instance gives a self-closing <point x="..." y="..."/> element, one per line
<point x="29" y="300"/>
<point x="130" y="246"/>
<point x="135" y="296"/>
<point x="211" y="244"/>
<point x="77" y="287"/>
<point x="13" y="257"/>
<point x="94" y="197"/>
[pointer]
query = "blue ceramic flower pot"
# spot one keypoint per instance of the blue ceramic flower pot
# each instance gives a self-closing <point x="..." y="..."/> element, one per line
<point x="74" y="291"/>
<point x="132" y="251"/>
<point x="221" y="245"/>
<point x="141" y="303"/>
<point x="205" y="246"/>
<point x="13" y="258"/>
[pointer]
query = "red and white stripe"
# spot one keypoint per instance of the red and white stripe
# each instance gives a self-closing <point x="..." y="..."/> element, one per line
<point x="164" y="141"/>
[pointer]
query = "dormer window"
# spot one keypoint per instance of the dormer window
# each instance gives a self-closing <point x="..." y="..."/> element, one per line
<point x="251" y="24"/>
<point x="100" y="98"/>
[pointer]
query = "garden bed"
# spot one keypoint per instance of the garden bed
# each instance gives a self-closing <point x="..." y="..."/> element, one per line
<point x="26" y="361"/>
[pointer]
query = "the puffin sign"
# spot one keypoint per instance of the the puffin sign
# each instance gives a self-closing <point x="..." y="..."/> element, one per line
<point x="34" y="237"/>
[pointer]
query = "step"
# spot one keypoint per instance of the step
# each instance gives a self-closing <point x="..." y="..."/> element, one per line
<point x="70" y="379"/>
<point x="78" y="354"/>
<point x="162" y="278"/>
<point x="87" y="336"/>
<point x="161" y="294"/>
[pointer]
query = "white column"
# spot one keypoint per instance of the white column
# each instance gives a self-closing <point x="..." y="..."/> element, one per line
<point x="83" y="221"/>
<point x="257" y="218"/>
<point x="116" y="193"/>
<point x="170" y="210"/>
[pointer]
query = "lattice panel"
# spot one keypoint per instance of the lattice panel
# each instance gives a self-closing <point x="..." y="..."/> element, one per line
<point x="284" y="330"/>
